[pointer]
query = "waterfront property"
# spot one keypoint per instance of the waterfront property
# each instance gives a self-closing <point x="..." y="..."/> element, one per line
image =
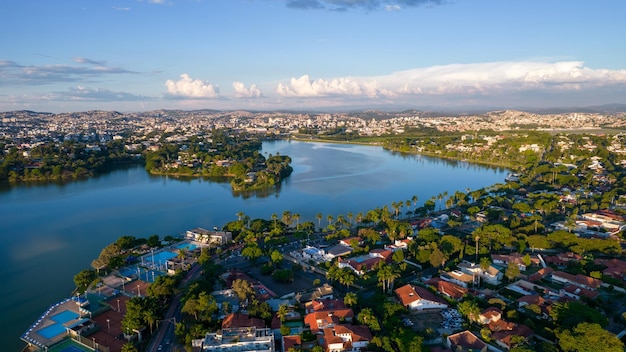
<point x="209" y="237"/>
<point x="92" y="322"/>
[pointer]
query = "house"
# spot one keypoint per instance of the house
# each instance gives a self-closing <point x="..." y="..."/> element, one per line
<point x="540" y="274"/>
<point x="465" y="341"/>
<point x="505" y="259"/>
<point x="338" y="250"/>
<point x="211" y="237"/>
<point x="491" y="275"/>
<point x="331" y="322"/>
<point x="460" y="278"/>
<point x="290" y="341"/>
<point x="320" y="320"/>
<point x="575" y="292"/>
<point x="325" y="291"/>
<point x="241" y="320"/>
<point x="503" y="333"/>
<point x="417" y="298"/>
<point x="579" y="280"/>
<point x="362" y="264"/>
<point x="399" y="245"/>
<point x="536" y="300"/>
<point x="239" y="339"/>
<point x="615" y="268"/>
<point x="490" y="314"/>
<point x="324" y="304"/>
<point x="355" y="336"/>
<point x="449" y="289"/>
<point x="350" y="241"/>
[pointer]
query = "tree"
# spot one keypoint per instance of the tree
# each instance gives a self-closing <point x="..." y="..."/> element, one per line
<point x="569" y="314"/>
<point x="283" y="275"/>
<point x="150" y="317"/>
<point x="242" y="289"/>
<point x="181" y="254"/>
<point x="252" y="252"/>
<point x="588" y="337"/>
<point x="347" y="277"/>
<point x="512" y="271"/>
<point x="129" y="347"/>
<point x="276" y="257"/>
<point x="350" y="299"/>
<point x="387" y="274"/>
<point x="84" y="278"/>
<point x="153" y="241"/>
<point x="469" y="309"/>
<point x="319" y="218"/>
<point x="296" y="217"/>
<point x="367" y="317"/>
<point x="282" y="312"/>
<point x="485" y="263"/>
<point x="437" y="258"/>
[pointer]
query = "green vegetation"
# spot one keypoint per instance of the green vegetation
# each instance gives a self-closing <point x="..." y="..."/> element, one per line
<point x="67" y="160"/>
<point x="554" y="185"/>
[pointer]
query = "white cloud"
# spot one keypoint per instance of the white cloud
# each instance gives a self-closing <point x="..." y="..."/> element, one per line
<point x="191" y="88"/>
<point x="242" y="92"/>
<point x="459" y="79"/>
<point x="346" y="86"/>
<point x="393" y="8"/>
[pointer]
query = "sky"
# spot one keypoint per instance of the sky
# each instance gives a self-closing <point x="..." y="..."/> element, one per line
<point x="139" y="55"/>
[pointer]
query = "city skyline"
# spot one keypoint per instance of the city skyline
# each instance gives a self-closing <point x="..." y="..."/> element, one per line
<point x="310" y="54"/>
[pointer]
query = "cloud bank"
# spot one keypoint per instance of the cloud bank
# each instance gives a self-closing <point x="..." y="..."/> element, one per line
<point x="12" y="72"/>
<point x="81" y="93"/>
<point x="370" y="5"/>
<point x="242" y="92"/>
<point x="186" y="87"/>
<point x="460" y="79"/>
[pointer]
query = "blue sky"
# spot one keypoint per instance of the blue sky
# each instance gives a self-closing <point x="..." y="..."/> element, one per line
<point x="137" y="55"/>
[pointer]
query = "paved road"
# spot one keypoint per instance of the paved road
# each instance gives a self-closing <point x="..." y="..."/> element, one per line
<point x="165" y="332"/>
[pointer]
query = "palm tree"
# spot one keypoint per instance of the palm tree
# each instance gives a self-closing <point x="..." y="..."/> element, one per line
<point x="341" y="220"/>
<point x="296" y="216"/>
<point x="287" y="218"/>
<point x="330" y="219"/>
<point x="350" y="216"/>
<point x="347" y="277"/>
<point x="414" y="199"/>
<point x="476" y="238"/>
<point x="150" y="318"/>
<point x="359" y="217"/>
<point x="350" y="299"/>
<point x="282" y="312"/>
<point x="181" y="255"/>
<point x="240" y="215"/>
<point x="274" y="217"/>
<point x="396" y="207"/>
<point x="319" y="218"/>
<point x="387" y="274"/>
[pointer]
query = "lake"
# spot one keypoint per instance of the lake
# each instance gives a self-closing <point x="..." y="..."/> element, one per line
<point x="48" y="233"/>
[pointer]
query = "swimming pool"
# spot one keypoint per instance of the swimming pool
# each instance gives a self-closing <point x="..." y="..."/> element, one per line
<point x="159" y="258"/>
<point x="64" y="316"/>
<point x="52" y="331"/>
<point x="187" y="246"/>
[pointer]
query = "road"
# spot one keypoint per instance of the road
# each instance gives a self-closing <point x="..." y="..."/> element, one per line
<point x="165" y="332"/>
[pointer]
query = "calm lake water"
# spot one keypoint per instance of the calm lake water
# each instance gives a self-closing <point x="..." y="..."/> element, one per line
<point x="49" y="233"/>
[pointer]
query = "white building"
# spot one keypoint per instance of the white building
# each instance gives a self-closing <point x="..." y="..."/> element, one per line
<point x="249" y="339"/>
